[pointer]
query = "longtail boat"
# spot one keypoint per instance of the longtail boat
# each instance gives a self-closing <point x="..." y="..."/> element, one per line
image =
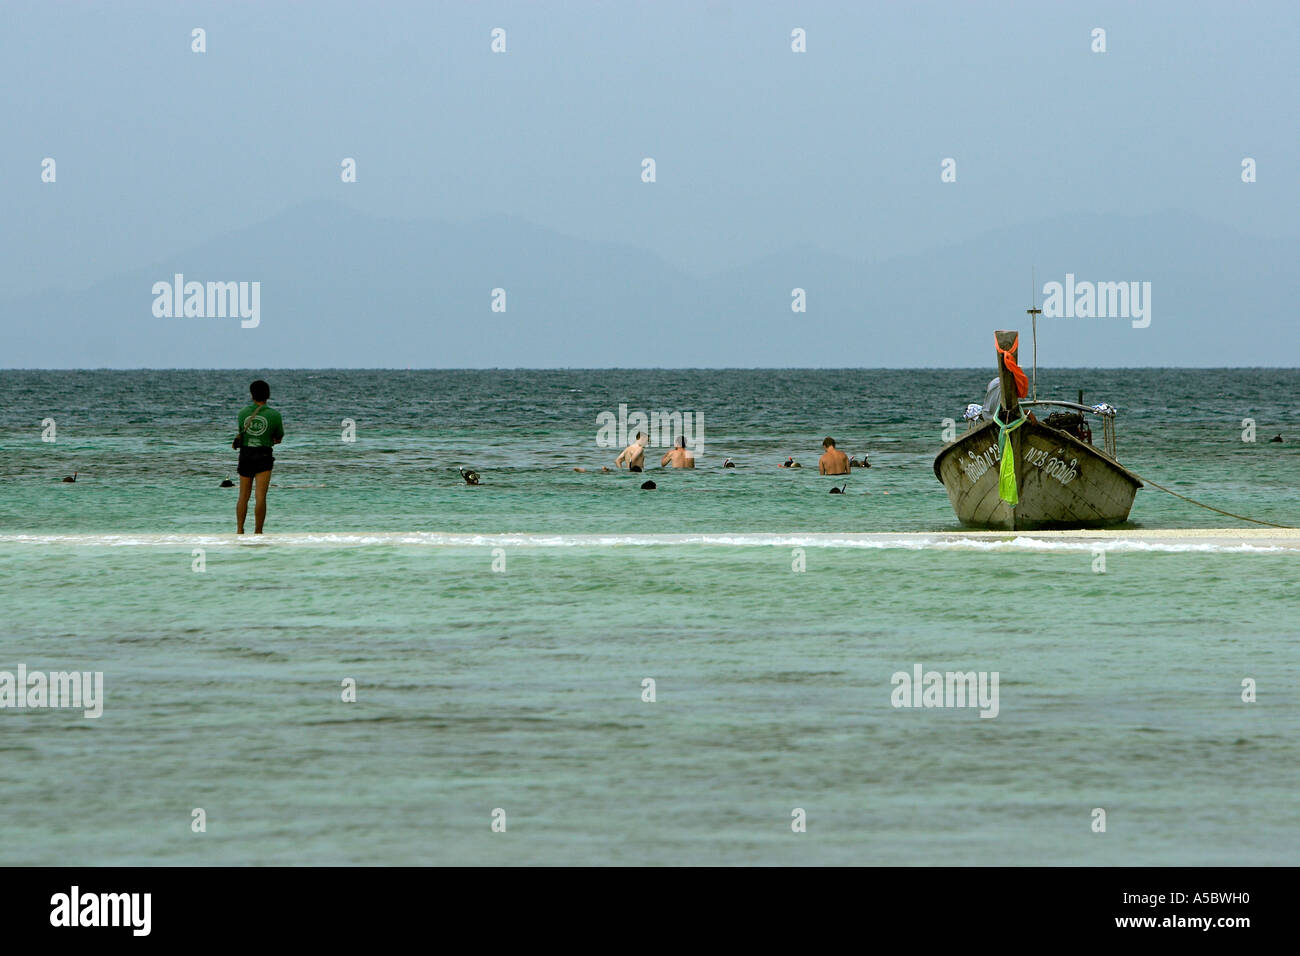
<point x="1010" y="471"/>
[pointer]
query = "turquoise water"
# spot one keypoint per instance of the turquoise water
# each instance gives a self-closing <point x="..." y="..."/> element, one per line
<point x="521" y="688"/>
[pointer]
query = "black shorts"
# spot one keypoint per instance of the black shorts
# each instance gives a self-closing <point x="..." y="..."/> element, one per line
<point x="634" y="468"/>
<point x="254" y="461"/>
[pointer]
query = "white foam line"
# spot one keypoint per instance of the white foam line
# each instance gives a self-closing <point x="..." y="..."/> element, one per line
<point x="1165" y="541"/>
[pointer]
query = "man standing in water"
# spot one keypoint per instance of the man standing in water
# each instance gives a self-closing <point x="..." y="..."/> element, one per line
<point x="679" y="457"/>
<point x="633" y="454"/>
<point x="260" y="428"/>
<point x="834" y="462"/>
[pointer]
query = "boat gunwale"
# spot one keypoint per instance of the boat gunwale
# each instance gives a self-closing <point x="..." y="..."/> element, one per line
<point x="1086" y="446"/>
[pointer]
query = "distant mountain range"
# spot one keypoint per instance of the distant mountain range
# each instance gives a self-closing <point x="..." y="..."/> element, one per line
<point x="343" y="289"/>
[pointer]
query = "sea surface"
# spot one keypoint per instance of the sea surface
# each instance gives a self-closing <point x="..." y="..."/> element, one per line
<point x="500" y="637"/>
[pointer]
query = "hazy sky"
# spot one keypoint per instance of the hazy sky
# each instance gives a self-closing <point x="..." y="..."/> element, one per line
<point x="757" y="148"/>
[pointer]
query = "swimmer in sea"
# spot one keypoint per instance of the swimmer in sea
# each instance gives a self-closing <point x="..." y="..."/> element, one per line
<point x="790" y="463"/>
<point x="634" y="454"/>
<point x="678" y="457"/>
<point x="834" y="461"/>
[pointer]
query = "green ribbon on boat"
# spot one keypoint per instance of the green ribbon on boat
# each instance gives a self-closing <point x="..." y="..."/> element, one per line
<point x="1007" y="474"/>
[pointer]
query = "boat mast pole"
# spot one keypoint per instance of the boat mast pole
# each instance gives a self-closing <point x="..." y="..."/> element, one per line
<point x="1033" y="314"/>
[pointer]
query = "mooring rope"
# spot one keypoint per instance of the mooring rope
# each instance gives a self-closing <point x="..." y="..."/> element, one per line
<point x="1201" y="504"/>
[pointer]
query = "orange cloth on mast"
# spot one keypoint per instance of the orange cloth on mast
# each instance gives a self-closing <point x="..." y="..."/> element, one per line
<point x="1022" y="380"/>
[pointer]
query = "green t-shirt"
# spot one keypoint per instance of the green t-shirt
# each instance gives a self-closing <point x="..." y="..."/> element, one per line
<point x="265" y="427"/>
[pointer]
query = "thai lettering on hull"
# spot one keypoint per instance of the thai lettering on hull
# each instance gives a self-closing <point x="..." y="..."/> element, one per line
<point x="1054" y="467"/>
<point x="974" y="465"/>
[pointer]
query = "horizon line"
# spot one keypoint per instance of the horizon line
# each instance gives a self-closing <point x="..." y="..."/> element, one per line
<point x="632" y="368"/>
